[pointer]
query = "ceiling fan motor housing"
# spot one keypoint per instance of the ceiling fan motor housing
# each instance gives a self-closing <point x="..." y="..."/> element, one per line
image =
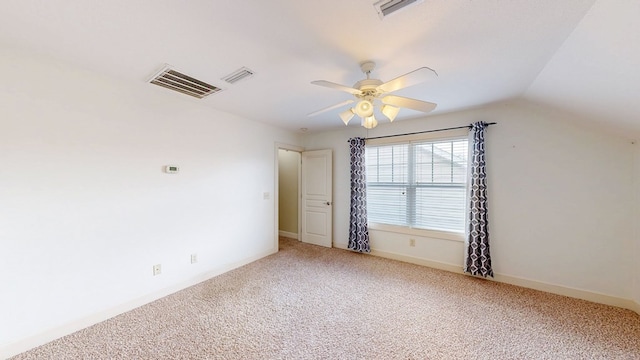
<point x="368" y="88"/>
<point x="371" y="92"/>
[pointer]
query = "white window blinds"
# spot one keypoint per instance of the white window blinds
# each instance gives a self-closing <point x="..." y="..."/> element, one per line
<point x="418" y="184"/>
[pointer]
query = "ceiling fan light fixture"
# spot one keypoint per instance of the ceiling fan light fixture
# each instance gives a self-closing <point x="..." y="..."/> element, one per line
<point x="390" y="112"/>
<point x="373" y="94"/>
<point x="347" y="115"/>
<point x="369" y="122"/>
<point x="364" y="108"/>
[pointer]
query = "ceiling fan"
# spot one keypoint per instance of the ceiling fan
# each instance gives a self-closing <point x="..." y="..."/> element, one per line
<point x="370" y="93"/>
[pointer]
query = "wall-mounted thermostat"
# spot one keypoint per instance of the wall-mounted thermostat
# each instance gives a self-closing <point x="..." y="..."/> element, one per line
<point x="171" y="169"/>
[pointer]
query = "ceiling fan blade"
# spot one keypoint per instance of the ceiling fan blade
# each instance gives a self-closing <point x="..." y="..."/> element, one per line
<point x="331" y="107"/>
<point x="335" y="86"/>
<point x="408" y="103"/>
<point x="415" y="77"/>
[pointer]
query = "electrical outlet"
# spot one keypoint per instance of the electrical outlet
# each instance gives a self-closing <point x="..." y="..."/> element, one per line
<point x="157" y="269"/>
<point x="412" y="242"/>
<point x="194" y="258"/>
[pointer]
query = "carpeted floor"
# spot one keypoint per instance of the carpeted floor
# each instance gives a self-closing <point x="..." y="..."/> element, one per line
<point x="309" y="302"/>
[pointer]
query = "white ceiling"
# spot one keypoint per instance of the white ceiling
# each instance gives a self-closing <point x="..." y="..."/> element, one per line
<point x="596" y="72"/>
<point x="573" y="54"/>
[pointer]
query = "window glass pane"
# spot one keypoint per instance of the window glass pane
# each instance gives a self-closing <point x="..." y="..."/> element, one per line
<point x="388" y="164"/>
<point x="441" y="162"/>
<point x="440" y="208"/>
<point x="400" y="163"/>
<point x="420" y="184"/>
<point x="371" y="163"/>
<point x="387" y="205"/>
<point x="385" y="164"/>
<point x="424" y="163"/>
<point x="460" y="153"/>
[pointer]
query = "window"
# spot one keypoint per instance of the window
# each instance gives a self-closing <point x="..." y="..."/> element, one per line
<point x="418" y="184"/>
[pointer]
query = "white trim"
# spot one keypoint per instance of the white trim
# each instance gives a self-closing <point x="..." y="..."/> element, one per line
<point x="514" y="280"/>
<point x="14" y="348"/>
<point x="288" y="234"/>
<point x="299" y="229"/>
<point x="418" y="261"/>
<point x="568" y="291"/>
<point x="432" y="234"/>
<point x="409" y="259"/>
<point x="635" y="288"/>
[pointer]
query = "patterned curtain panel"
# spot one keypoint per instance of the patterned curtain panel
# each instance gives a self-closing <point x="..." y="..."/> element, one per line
<point x="478" y="259"/>
<point x="358" y="231"/>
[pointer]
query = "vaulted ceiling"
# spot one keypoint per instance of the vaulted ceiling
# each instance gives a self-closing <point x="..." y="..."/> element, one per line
<point x="577" y="55"/>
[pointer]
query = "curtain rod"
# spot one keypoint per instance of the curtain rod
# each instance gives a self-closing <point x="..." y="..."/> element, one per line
<point x="427" y="131"/>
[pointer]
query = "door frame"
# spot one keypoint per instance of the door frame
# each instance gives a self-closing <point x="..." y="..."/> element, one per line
<point x="276" y="196"/>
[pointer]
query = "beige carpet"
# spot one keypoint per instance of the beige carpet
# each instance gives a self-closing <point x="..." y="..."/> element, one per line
<point x="308" y="302"/>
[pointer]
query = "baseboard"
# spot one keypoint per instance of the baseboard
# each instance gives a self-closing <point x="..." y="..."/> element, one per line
<point x="340" y="246"/>
<point x="513" y="280"/>
<point x="288" y="234"/>
<point x="636" y="307"/>
<point x="408" y="259"/>
<point x="20" y="346"/>
<point x="570" y="292"/>
<point x="418" y="261"/>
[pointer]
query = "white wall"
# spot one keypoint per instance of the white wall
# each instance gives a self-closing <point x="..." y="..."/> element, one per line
<point x="288" y="169"/>
<point x="86" y="210"/>
<point x="560" y="207"/>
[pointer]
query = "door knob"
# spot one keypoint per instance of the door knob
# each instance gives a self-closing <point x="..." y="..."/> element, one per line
<point x="328" y="203"/>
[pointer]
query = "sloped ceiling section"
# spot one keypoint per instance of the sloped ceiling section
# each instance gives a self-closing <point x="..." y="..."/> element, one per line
<point x="576" y="54"/>
<point x="596" y="72"/>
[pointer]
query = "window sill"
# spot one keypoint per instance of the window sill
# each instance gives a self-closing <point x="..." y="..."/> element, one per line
<point x="435" y="234"/>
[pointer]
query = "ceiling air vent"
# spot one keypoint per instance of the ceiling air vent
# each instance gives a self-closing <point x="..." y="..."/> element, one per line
<point x="388" y="7"/>
<point x="177" y="81"/>
<point x="238" y="75"/>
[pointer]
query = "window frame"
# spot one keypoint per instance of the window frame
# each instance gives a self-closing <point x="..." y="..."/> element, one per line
<point x="455" y="134"/>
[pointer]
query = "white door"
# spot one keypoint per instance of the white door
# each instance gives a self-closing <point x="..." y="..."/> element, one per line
<point x="317" y="197"/>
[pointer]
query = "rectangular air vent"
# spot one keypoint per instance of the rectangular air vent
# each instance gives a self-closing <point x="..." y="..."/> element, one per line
<point x="177" y="81"/>
<point x="238" y="75"/>
<point x="388" y="7"/>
